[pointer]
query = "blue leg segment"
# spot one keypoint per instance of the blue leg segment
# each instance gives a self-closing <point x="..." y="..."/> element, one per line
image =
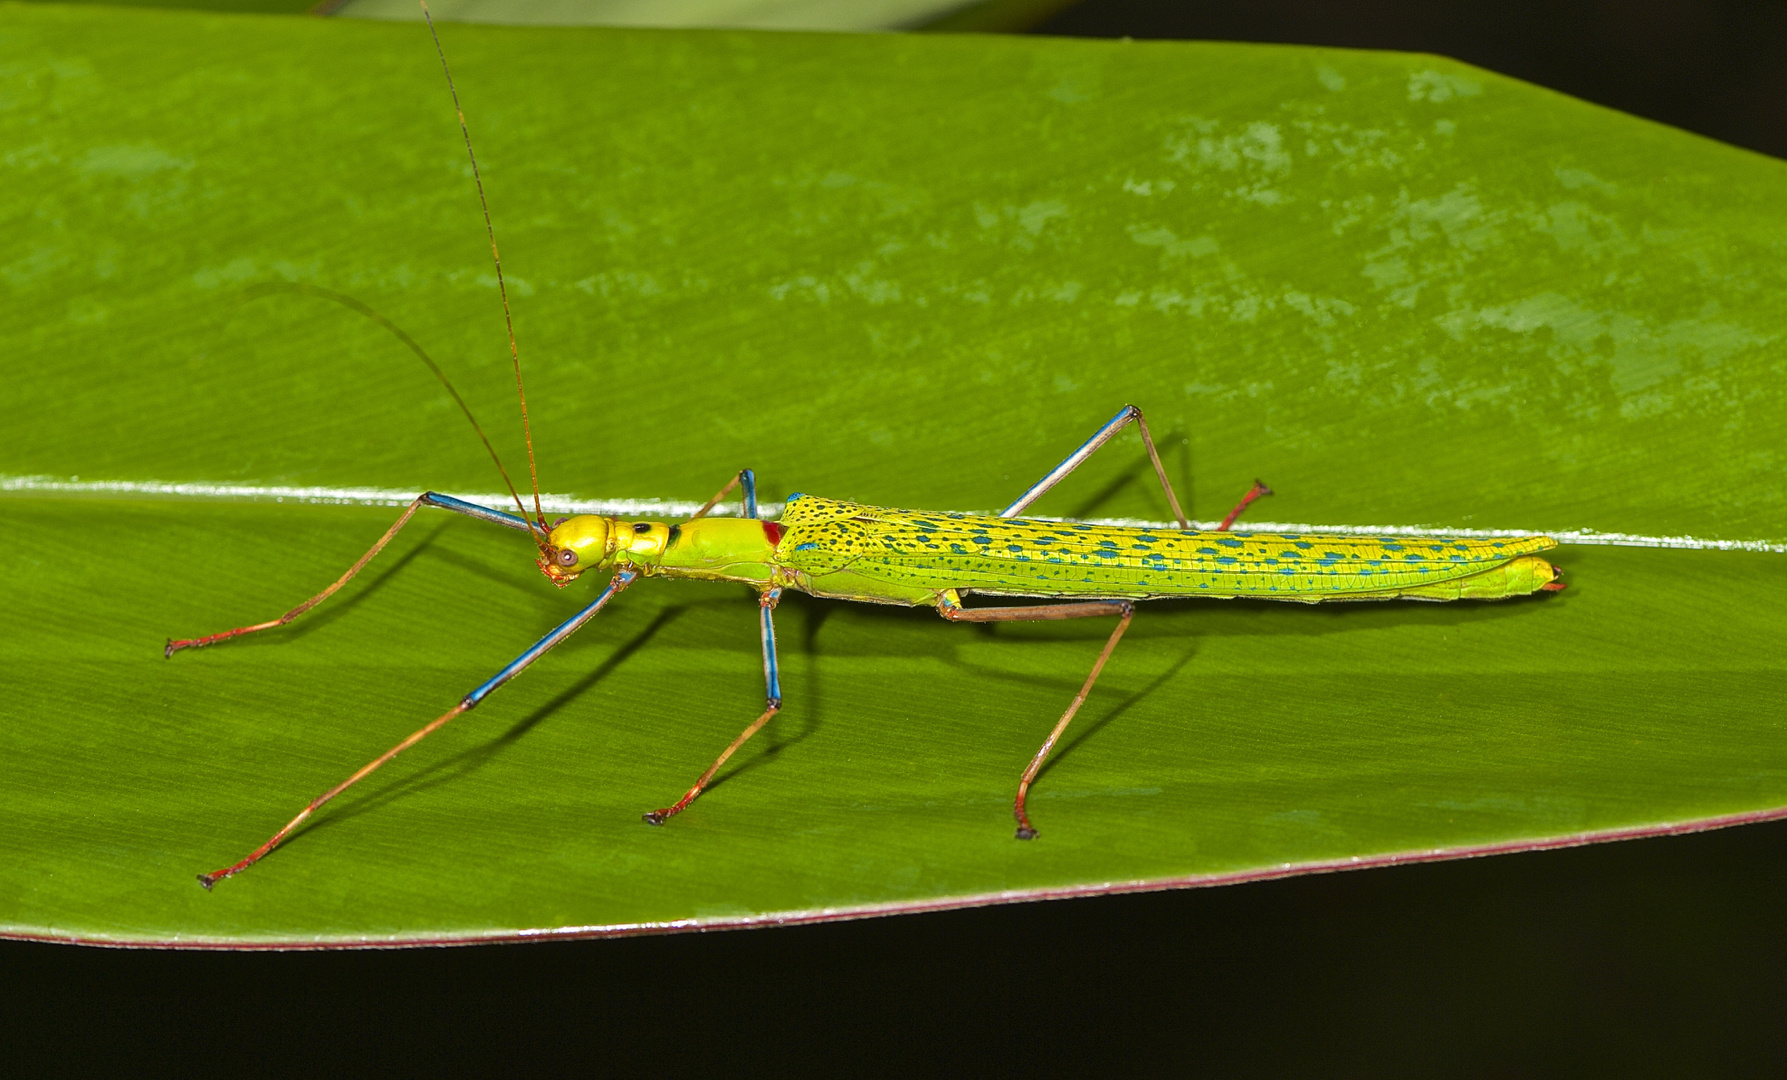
<point x="473" y="510"/>
<point x="748" y="480"/>
<point x="1073" y="461"/>
<point x="772" y="669"/>
<point x="537" y="649"/>
<point x="1125" y="416"/>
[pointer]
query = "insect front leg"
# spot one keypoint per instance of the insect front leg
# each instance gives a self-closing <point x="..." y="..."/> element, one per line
<point x="950" y="607"/>
<point x="466" y="704"/>
<point x="772" y="679"/>
<point x="427" y="498"/>
<point x="745" y="477"/>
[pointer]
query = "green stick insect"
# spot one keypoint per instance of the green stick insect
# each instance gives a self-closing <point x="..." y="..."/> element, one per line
<point x="872" y="554"/>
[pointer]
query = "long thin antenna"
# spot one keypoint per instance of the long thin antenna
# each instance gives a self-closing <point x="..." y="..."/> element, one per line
<point x="270" y="287"/>
<point x="501" y="289"/>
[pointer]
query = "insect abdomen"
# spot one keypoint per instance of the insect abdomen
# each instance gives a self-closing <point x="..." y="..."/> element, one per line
<point x="1019" y="557"/>
<point x="1520" y="577"/>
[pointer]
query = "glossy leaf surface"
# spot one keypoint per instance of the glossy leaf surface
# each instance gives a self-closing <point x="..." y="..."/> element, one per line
<point x="912" y="271"/>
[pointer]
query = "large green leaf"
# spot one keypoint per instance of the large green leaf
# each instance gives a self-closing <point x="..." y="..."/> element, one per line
<point x="835" y="15"/>
<point x="903" y="270"/>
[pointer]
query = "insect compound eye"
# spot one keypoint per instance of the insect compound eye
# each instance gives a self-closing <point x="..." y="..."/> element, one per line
<point x="567" y="557"/>
<point x="642" y="527"/>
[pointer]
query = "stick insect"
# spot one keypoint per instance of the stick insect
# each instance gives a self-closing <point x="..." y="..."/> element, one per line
<point x="871" y="554"/>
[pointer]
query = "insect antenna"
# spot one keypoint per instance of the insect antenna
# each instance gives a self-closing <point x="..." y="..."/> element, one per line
<point x="254" y="292"/>
<point x="501" y="289"/>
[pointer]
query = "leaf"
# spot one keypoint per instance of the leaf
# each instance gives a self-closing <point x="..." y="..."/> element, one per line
<point x="911" y="271"/>
<point x="833" y="15"/>
<point x="947" y="16"/>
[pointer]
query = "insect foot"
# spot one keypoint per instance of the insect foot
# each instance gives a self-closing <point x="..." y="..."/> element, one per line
<point x="656" y="817"/>
<point x="1025" y="832"/>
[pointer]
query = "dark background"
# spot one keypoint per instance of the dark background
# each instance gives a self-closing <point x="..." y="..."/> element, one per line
<point x="1645" y="958"/>
<point x="1658" y="957"/>
<point x="1717" y="67"/>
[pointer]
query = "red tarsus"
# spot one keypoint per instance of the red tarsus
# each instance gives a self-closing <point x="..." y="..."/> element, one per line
<point x="1259" y="490"/>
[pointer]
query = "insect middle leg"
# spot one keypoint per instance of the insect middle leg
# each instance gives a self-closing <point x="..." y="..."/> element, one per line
<point x="950" y="607"/>
<point x="772" y="680"/>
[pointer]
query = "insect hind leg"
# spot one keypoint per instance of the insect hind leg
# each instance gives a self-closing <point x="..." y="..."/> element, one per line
<point x="1259" y="490"/>
<point x="1127" y="415"/>
<point x="950" y="607"/>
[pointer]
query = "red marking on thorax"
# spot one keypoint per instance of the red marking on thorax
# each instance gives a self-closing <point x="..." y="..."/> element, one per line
<point x="773" y="532"/>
